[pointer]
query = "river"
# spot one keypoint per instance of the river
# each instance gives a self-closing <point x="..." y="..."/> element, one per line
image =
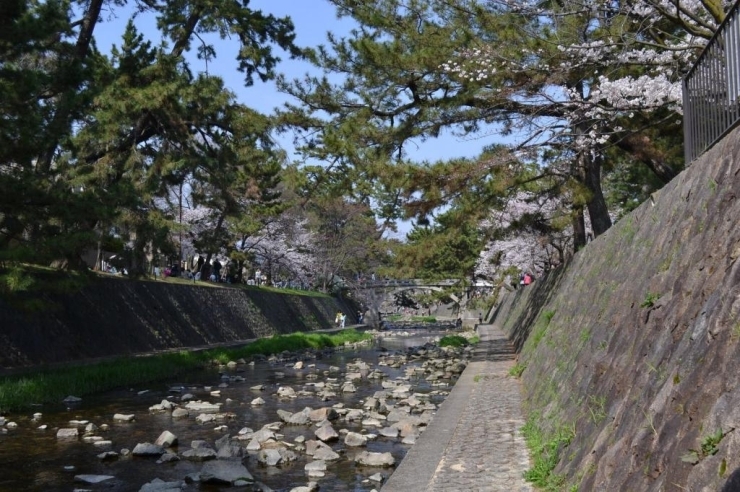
<point x="35" y="460"/>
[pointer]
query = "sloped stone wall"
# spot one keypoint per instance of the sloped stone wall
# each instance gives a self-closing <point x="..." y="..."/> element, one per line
<point x="120" y="317"/>
<point x="634" y="346"/>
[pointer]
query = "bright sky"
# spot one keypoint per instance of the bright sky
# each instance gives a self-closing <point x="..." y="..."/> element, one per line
<point x="312" y="20"/>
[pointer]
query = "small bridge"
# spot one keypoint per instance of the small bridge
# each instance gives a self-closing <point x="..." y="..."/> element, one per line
<point x="395" y="286"/>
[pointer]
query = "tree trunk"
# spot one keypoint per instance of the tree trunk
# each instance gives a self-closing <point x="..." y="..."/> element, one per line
<point x="597" y="209"/>
<point x="579" y="228"/>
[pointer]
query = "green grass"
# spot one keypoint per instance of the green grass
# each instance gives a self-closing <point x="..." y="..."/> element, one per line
<point x="453" y="341"/>
<point x="540" y="327"/>
<point x="545" y="451"/>
<point x="517" y="370"/>
<point x="51" y="386"/>
<point x="424" y="319"/>
<point x="650" y="299"/>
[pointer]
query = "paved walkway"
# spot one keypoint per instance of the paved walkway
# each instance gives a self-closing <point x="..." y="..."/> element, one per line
<point x="473" y="443"/>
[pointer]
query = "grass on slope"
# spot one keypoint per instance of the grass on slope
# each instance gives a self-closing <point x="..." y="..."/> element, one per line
<point x="52" y="386"/>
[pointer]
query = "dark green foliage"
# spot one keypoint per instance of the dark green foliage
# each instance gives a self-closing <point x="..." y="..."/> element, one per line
<point x="92" y="146"/>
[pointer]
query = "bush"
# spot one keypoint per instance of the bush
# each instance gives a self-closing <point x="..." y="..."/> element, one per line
<point x="453" y="341"/>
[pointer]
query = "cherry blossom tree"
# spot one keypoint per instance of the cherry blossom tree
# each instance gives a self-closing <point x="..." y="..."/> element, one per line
<point x="581" y="80"/>
<point x="524" y="237"/>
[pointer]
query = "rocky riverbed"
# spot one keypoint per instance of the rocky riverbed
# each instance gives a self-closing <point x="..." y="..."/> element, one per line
<point x="330" y="419"/>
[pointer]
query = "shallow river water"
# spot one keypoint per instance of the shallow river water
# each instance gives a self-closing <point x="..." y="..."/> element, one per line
<point x="35" y="460"/>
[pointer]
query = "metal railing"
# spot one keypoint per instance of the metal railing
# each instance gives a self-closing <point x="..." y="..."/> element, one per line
<point x="711" y="89"/>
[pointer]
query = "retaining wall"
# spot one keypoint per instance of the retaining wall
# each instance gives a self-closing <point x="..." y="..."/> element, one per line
<point x="115" y="316"/>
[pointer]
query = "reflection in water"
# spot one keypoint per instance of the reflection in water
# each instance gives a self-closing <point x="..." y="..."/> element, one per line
<point x="36" y="460"/>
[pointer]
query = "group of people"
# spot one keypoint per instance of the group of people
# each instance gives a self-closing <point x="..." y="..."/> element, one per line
<point x="340" y="319"/>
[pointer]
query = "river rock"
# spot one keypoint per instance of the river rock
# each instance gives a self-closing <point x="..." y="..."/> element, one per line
<point x="411" y="439"/>
<point x="287" y="455"/>
<point x="354" y="414"/>
<point x="68" y="433"/>
<point x="348" y="387"/>
<point x="206" y="418"/>
<point x="91" y="479"/>
<point x="371" y="404"/>
<point x="368" y="458"/>
<point x="325" y="413"/>
<point x="168" y="457"/>
<point x="229" y="451"/>
<point x="257" y="401"/>
<point x="298" y="365"/>
<point x="371" y="422"/>
<point x="326" y="433"/>
<point x="108" y="456"/>
<point x="162" y="407"/>
<point x="72" y="399"/>
<point x="119" y="417"/>
<point x="388" y="432"/>
<point x="179" y="413"/>
<point x="200" y="454"/>
<point x="325" y="453"/>
<point x="315" y="468"/>
<point x="166" y="439"/>
<point x="269" y="457"/>
<point x="159" y="485"/>
<point x="203" y="406"/>
<point x="376" y="477"/>
<point x="147" y="449"/>
<point x="397" y="414"/>
<point x="246" y="431"/>
<point x="354" y="439"/>
<point x="298" y="418"/>
<point x="407" y="427"/>
<point x="286" y="392"/>
<point x="222" y="471"/>
<point x="311" y="487"/>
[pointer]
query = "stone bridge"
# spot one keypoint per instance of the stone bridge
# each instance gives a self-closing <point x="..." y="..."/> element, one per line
<point x="389" y="288"/>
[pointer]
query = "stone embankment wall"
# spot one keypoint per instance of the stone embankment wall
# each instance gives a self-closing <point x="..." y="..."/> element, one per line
<point x="120" y="317"/>
<point x="633" y="348"/>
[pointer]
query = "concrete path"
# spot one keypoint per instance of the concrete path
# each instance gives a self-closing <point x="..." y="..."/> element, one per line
<point x="473" y="443"/>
